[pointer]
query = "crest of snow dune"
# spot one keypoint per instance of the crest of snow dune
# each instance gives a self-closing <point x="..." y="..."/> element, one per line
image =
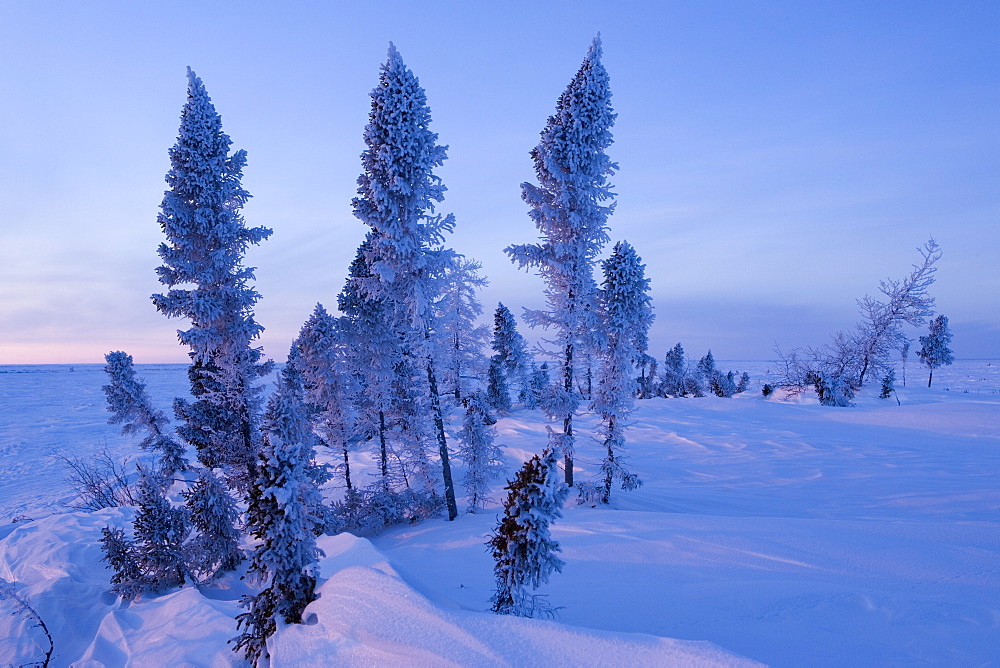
<point x="367" y="615"/>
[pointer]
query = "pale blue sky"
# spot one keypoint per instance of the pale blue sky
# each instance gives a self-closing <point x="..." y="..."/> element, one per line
<point x="777" y="159"/>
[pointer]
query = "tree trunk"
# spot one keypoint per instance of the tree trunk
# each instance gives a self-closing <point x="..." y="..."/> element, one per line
<point x="383" y="450"/>
<point x="568" y="420"/>
<point x="930" y="378"/>
<point x="606" y="498"/>
<point x="449" y="486"/>
<point x="347" y="468"/>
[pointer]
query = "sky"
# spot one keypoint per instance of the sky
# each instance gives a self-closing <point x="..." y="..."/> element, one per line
<point x="776" y="159"/>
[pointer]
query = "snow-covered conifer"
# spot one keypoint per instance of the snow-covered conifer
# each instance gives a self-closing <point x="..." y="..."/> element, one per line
<point x="743" y="383"/>
<point x="120" y="554"/>
<point x="511" y="350"/>
<point x="497" y="394"/>
<point x="627" y="313"/>
<point x="934" y="351"/>
<point x="206" y="241"/>
<point x="888" y="385"/>
<point x="570" y="207"/>
<point x="538" y="384"/>
<point x="397" y="194"/>
<point x="460" y="338"/>
<point x="522" y="545"/>
<point x="706" y="366"/>
<point x="130" y="406"/>
<point x="281" y="516"/>
<point x="322" y="355"/>
<point x="673" y="382"/>
<point x="482" y="457"/>
<point x="375" y="354"/>
<point x="215" y="547"/>
<point x="160" y="531"/>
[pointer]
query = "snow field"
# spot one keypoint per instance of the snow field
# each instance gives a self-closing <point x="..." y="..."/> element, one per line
<point x="785" y="532"/>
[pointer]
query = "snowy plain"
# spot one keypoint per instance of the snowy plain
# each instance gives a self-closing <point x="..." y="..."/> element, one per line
<point x="767" y="530"/>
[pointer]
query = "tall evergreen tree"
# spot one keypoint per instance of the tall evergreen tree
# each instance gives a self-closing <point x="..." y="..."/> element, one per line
<point x="497" y="394"/>
<point x="934" y="351"/>
<point x="375" y="353"/>
<point x="460" y="338"/>
<point x="673" y="378"/>
<point x="397" y="194"/>
<point x="570" y="207"/>
<point x="511" y="351"/>
<point x="627" y="312"/>
<point x="206" y="241"/>
<point x="130" y="406"/>
<point x="482" y="457"/>
<point x="281" y="517"/>
<point x="321" y="352"/>
<point x="522" y="545"/>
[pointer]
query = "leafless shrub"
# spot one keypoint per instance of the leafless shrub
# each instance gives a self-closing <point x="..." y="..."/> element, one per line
<point x="99" y="482"/>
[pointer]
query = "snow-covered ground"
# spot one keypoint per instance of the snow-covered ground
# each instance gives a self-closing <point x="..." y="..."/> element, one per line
<point x="783" y="532"/>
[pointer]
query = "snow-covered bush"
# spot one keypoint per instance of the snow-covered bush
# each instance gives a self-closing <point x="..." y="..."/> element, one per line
<point x="522" y="545"/>
<point x="100" y="481"/>
<point x="888" y="385"/>
<point x="832" y="390"/>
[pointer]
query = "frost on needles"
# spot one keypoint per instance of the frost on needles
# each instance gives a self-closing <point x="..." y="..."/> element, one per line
<point x="405" y="255"/>
<point x="206" y="241"/>
<point x="570" y="207"/>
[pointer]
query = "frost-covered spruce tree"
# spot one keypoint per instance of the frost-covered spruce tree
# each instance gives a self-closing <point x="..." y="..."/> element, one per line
<point x="934" y="351"/>
<point x="497" y="394"/>
<point x="130" y="406"/>
<point x="322" y="353"/>
<point x="460" y="338"/>
<point x="673" y="378"/>
<point x="538" y="385"/>
<point x="215" y="547"/>
<point x="397" y="194"/>
<point x="375" y="354"/>
<point x="160" y="531"/>
<point x="482" y="457"/>
<point x="570" y="207"/>
<point x="627" y="312"/>
<point x="511" y="351"/>
<point x="119" y="552"/>
<point x="706" y="367"/>
<point x="206" y="241"/>
<point x="281" y="516"/>
<point x="522" y="545"/>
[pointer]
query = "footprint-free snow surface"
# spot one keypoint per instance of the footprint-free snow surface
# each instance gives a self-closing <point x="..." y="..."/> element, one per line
<point x="767" y="530"/>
